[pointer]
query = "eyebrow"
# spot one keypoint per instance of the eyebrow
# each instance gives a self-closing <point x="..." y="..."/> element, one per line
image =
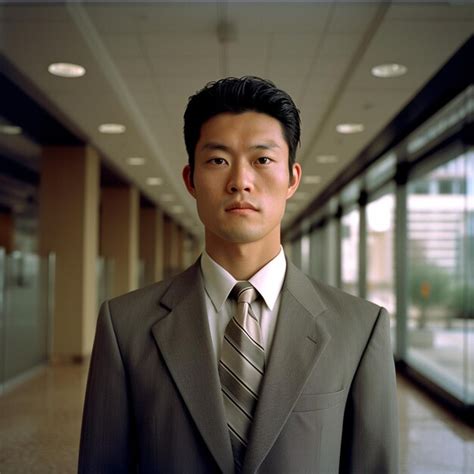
<point x="265" y="146"/>
<point x="219" y="146"/>
<point x="215" y="146"/>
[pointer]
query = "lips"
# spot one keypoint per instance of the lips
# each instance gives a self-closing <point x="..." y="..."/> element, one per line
<point x="241" y="205"/>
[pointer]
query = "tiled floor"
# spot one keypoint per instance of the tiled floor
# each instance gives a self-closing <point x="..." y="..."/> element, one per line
<point x="40" y="423"/>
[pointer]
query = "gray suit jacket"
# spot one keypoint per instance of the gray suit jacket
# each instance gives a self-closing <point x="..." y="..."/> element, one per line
<point x="153" y="402"/>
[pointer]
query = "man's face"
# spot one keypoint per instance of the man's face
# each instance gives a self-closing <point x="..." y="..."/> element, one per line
<point x="241" y="178"/>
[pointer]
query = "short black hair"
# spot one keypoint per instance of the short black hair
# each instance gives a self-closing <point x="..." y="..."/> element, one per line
<point x="238" y="95"/>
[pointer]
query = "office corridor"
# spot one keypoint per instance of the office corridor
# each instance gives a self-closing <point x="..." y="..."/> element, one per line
<point x="40" y="423"/>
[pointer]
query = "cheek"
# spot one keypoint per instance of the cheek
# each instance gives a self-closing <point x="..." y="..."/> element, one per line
<point x="206" y="201"/>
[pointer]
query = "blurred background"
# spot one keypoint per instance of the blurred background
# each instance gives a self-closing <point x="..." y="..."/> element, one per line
<point x="92" y="203"/>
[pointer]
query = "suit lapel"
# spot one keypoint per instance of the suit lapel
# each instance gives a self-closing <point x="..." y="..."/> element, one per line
<point x="184" y="341"/>
<point x="298" y="342"/>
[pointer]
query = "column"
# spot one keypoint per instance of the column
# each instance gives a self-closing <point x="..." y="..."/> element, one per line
<point x="68" y="226"/>
<point x="6" y="230"/>
<point x="151" y="243"/>
<point x="179" y="248"/>
<point x="167" y="246"/>
<point x="119" y="228"/>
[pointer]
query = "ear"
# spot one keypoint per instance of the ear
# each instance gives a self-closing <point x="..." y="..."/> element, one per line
<point x="295" y="180"/>
<point x="188" y="180"/>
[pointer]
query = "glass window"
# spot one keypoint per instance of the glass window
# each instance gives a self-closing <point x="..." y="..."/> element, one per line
<point x="350" y="223"/>
<point x="296" y="252"/>
<point x="25" y="312"/>
<point x="380" y="254"/>
<point x="331" y="254"/>
<point x="469" y="278"/>
<point x="318" y="250"/>
<point x="440" y="243"/>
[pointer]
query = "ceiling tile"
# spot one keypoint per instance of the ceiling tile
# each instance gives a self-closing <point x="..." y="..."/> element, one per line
<point x="303" y="45"/>
<point x="123" y="45"/>
<point x="186" y="66"/>
<point x="460" y="11"/>
<point x="342" y="44"/>
<point x="346" y="18"/>
<point x="277" y="17"/>
<point x="175" y="45"/>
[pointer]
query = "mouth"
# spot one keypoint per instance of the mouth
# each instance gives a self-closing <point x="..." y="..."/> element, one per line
<point x="240" y="206"/>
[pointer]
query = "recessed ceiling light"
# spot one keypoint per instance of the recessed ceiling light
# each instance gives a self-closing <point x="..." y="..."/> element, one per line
<point x="10" y="130"/>
<point x="326" y="159"/>
<point x="66" y="70"/>
<point x="389" y="70"/>
<point x="311" y="179"/>
<point x="136" y="160"/>
<point x="348" y="128"/>
<point x="177" y="209"/>
<point x="167" y="197"/>
<point x="112" y="128"/>
<point x="154" y="181"/>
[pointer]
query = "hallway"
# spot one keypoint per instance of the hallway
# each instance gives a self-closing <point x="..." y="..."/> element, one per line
<point x="40" y="425"/>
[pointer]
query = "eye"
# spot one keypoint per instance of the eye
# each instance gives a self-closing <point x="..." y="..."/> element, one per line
<point x="264" y="160"/>
<point x="217" y="161"/>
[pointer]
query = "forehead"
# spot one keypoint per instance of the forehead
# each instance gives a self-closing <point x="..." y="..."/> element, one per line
<point x="246" y="125"/>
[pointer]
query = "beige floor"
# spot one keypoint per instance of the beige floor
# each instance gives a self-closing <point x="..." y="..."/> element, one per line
<point x="40" y="422"/>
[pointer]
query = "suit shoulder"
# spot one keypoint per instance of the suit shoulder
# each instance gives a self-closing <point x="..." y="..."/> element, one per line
<point x="142" y="303"/>
<point x="350" y="319"/>
<point x="342" y="301"/>
<point x="141" y="295"/>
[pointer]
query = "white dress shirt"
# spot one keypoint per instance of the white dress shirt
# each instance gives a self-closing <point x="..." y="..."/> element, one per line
<point x="218" y="284"/>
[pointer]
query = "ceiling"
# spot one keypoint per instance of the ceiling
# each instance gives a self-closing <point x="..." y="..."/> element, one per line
<point x="143" y="61"/>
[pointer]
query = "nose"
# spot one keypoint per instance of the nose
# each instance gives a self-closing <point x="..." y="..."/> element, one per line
<point x="240" y="178"/>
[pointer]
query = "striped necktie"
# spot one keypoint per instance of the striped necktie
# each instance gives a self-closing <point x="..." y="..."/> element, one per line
<point x="241" y="368"/>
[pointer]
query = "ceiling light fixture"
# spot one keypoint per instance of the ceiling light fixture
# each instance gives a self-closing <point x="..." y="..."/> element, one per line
<point x="327" y="159"/>
<point x="348" y="128"/>
<point x="67" y="70"/>
<point x="154" y="181"/>
<point x="311" y="179"/>
<point x="112" y="128"/>
<point x="389" y="70"/>
<point x="10" y="130"/>
<point x="136" y="161"/>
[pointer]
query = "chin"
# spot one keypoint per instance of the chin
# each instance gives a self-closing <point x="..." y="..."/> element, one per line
<point x="240" y="235"/>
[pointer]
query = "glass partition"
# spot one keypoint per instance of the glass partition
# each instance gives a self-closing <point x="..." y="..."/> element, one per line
<point x="350" y="223"/>
<point x="318" y="249"/>
<point x="469" y="278"/>
<point x="440" y="243"/>
<point x="3" y="334"/>
<point x="296" y="252"/>
<point x="141" y="273"/>
<point x="105" y="273"/>
<point x="380" y="254"/>
<point x="26" y="313"/>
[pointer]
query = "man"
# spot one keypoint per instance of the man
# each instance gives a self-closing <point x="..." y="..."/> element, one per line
<point x="282" y="374"/>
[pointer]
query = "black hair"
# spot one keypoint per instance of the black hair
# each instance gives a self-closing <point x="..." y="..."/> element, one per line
<point x="238" y="95"/>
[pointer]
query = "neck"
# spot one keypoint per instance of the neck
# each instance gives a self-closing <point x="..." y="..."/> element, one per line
<point x="242" y="261"/>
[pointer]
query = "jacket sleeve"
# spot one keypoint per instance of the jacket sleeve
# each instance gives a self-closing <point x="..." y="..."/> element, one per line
<point x="106" y="440"/>
<point x="370" y="435"/>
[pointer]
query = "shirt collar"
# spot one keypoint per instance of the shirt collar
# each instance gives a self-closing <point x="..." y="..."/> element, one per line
<point x="268" y="281"/>
<point x="218" y="282"/>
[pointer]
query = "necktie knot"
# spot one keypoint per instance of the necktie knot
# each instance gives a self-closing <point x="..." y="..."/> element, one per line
<point x="244" y="292"/>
